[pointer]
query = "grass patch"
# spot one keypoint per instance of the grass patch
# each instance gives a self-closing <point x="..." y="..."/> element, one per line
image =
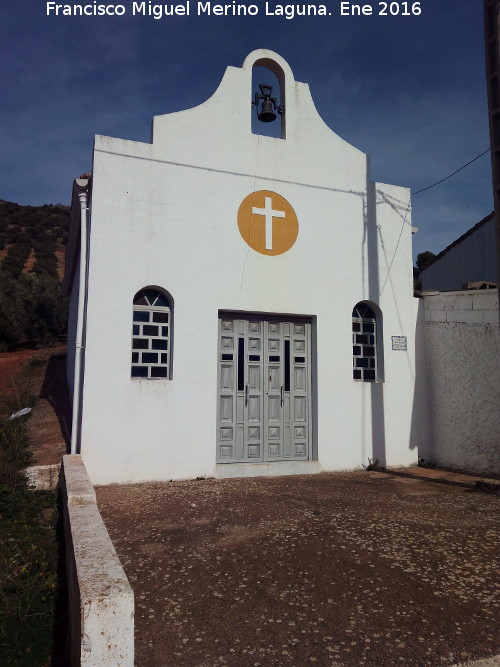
<point x="28" y="546"/>
<point x="21" y="391"/>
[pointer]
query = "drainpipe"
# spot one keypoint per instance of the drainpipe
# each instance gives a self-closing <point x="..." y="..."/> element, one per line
<point x="75" y="428"/>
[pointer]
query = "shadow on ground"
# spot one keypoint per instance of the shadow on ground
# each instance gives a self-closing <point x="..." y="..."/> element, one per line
<point x="55" y="391"/>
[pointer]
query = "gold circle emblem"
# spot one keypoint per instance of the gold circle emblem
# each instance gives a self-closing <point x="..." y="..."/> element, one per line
<point x="267" y="222"/>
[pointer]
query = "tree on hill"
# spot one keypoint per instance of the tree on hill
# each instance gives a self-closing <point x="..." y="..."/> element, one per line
<point x="32" y="309"/>
<point x="424" y="258"/>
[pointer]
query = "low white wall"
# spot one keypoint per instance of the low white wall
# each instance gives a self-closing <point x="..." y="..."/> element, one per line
<point x="462" y="341"/>
<point x="101" y="601"/>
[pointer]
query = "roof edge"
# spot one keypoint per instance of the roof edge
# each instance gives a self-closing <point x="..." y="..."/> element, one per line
<point x="459" y="240"/>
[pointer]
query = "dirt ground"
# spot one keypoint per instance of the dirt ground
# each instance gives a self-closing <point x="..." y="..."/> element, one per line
<point x="359" y="568"/>
<point x="10" y="366"/>
<point x="49" y="427"/>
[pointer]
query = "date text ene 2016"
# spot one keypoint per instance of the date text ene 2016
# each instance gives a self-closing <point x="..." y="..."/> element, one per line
<point x="384" y="9"/>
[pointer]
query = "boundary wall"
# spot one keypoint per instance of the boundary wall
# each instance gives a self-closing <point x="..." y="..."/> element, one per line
<point x="101" y="601"/>
<point x="462" y="348"/>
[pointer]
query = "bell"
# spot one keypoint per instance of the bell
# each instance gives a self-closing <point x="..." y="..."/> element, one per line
<point x="267" y="114"/>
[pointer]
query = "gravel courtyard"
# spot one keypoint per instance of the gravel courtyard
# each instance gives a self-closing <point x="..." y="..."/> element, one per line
<point x="358" y="568"/>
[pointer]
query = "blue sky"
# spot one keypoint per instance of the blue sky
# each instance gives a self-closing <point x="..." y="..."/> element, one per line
<point x="408" y="90"/>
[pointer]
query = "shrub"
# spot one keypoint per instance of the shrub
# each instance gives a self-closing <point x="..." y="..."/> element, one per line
<point x="28" y="548"/>
<point x="31" y="309"/>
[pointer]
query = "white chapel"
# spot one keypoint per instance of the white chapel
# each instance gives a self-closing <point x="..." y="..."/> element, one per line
<point x="241" y="304"/>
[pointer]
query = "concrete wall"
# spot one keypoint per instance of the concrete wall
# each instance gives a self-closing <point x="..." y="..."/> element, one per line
<point x="165" y="214"/>
<point x="463" y="376"/>
<point x="101" y="602"/>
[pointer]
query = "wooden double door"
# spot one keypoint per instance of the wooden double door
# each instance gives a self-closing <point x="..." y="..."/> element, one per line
<point x="264" y="389"/>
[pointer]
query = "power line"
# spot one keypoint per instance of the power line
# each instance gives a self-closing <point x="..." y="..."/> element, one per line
<point x="453" y="174"/>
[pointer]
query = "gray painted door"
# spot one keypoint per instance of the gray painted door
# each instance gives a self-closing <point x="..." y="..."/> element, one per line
<point x="264" y="389"/>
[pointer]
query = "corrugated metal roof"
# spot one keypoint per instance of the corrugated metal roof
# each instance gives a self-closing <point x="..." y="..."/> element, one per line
<point x="459" y="240"/>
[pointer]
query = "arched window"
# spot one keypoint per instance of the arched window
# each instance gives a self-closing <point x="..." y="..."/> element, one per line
<point x="151" y="335"/>
<point x="364" y="343"/>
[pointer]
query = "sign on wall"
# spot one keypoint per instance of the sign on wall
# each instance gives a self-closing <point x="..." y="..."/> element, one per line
<point x="267" y="222"/>
<point x="399" y="342"/>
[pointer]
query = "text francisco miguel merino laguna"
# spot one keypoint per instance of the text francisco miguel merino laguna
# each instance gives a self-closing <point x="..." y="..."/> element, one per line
<point x="203" y="7"/>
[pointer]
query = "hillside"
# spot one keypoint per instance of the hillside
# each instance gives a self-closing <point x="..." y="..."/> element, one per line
<point x="33" y="238"/>
<point x="32" y="253"/>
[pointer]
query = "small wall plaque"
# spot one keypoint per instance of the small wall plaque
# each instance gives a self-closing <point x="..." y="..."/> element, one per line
<point x="399" y="342"/>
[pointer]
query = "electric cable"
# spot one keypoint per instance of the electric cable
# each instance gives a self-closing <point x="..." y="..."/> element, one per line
<point x="450" y="175"/>
<point x="397" y="246"/>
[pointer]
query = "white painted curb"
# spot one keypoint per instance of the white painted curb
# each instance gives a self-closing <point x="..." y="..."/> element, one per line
<point x="485" y="662"/>
<point x="101" y="601"/>
<point x="43" y="478"/>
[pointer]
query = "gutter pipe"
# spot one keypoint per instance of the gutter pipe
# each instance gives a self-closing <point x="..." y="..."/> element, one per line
<point x="75" y="427"/>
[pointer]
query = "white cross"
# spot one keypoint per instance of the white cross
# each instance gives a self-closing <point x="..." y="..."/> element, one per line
<point x="268" y="214"/>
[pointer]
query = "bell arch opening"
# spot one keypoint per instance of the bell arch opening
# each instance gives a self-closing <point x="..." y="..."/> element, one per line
<point x="268" y="99"/>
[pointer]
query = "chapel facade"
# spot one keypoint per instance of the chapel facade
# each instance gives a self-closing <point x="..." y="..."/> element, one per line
<point x="241" y="304"/>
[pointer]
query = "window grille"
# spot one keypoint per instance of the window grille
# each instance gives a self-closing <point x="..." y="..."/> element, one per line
<point x="151" y="328"/>
<point x="364" y="343"/>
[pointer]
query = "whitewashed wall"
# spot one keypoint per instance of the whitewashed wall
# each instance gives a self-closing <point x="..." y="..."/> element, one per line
<point x="463" y="374"/>
<point x="164" y="214"/>
<point x="72" y="322"/>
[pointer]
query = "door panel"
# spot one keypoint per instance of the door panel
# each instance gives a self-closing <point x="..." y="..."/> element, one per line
<point x="300" y="379"/>
<point x="264" y="389"/>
